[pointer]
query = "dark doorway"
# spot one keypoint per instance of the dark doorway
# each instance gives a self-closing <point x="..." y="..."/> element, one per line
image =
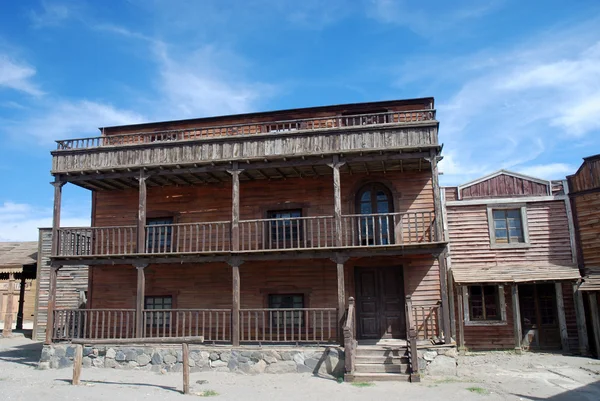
<point x="380" y="302"/>
<point x="539" y="316"/>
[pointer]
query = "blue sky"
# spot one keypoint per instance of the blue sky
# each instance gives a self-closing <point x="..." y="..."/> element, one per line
<point x="517" y="83"/>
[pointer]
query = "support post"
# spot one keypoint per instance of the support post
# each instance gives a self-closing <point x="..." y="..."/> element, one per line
<point x="139" y="300"/>
<point x="584" y="349"/>
<point x="51" y="304"/>
<point x="21" y="308"/>
<point x="77" y="364"/>
<point x="235" y="207"/>
<point x="8" y="317"/>
<point x="235" y="302"/>
<point x="562" y="321"/>
<point x="341" y="295"/>
<point x="141" y="222"/>
<point x="593" y="299"/>
<point x="337" y="199"/>
<point x="461" y="320"/>
<point x="56" y="216"/>
<point x="185" y="354"/>
<point x="517" y="318"/>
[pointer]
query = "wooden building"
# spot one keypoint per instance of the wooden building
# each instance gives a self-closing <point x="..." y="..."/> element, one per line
<point x="17" y="284"/>
<point x="263" y="228"/>
<point x="584" y="191"/>
<point x="513" y="267"/>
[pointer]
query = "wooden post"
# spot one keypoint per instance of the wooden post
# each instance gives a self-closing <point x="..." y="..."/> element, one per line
<point x="21" y="308"/>
<point x="517" y="318"/>
<point x="461" y="320"/>
<point x="56" y="216"/>
<point x="77" y="364"/>
<point x="139" y="300"/>
<point x="51" y="304"/>
<point x="593" y="299"/>
<point x="141" y="222"/>
<point x="341" y="295"/>
<point x="562" y="321"/>
<point x="337" y="199"/>
<point x="8" y="317"/>
<point x="584" y="349"/>
<point x="235" y="309"/>
<point x="235" y="207"/>
<point x="185" y="354"/>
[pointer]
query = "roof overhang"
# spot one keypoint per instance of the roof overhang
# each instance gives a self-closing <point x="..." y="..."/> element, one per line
<point x="514" y="273"/>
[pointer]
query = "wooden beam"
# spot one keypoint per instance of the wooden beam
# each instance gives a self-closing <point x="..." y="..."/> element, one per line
<point x="562" y="321"/>
<point x="8" y="317"/>
<point x="185" y="354"/>
<point x="281" y="173"/>
<point x="235" y="208"/>
<point x="593" y="300"/>
<point x="141" y="221"/>
<point x="235" y="310"/>
<point x="77" y="364"/>
<point x="56" y="216"/>
<point x="518" y="332"/>
<point x="461" y="320"/>
<point x="139" y="300"/>
<point x="140" y="341"/>
<point x="51" y="305"/>
<point x="341" y="295"/>
<point x="214" y="177"/>
<point x="20" y="309"/>
<point x="584" y="348"/>
<point x="337" y="199"/>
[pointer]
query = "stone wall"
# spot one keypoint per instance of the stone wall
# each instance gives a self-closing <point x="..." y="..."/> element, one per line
<point x="323" y="361"/>
<point x="438" y="360"/>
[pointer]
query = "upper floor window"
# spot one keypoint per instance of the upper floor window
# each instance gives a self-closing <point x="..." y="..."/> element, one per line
<point x="285" y="228"/>
<point x="374" y="201"/>
<point x="508" y="226"/>
<point x="160" y="232"/>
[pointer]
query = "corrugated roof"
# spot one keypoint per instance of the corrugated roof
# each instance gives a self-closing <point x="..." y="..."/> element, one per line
<point x="513" y="273"/>
<point x="591" y="281"/>
<point x="13" y="254"/>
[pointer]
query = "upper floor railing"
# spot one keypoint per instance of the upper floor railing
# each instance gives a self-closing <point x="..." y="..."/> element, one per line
<point x="254" y="128"/>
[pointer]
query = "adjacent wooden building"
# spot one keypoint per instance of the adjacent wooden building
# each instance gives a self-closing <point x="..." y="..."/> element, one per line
<point x="513" y="265"/>
<point x="584" y="191"/>
<point x="308" y="226"/>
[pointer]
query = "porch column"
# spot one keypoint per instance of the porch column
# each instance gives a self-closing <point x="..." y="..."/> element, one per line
<point x="439" y="237"/>
<point x="235" y="301"/>
<point x="21" y="308"/>
<point x="581" y="324"/>
<point x="517" y="318"/>
<point x="139" y="300"/>
<point x="461" y="319"/>
<point x="562" y="321"/>
<point x="337" y="199"/>
<point x="593" y="299"/>
<point x="235" y="207"/>
<point x="141" y="222"/>
<point x="8" y="317"/>
<point x="56" y="215"/>
<point x="341" y="293"/>
<point x="51" y="304"/>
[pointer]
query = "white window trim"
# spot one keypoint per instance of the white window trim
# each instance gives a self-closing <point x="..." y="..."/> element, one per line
<point x="502" y="306"/>
<point x="490" y="213"/>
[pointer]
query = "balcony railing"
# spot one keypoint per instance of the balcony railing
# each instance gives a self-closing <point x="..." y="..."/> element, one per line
<point x="293" y="233"/>
<point x="307" y="124"/>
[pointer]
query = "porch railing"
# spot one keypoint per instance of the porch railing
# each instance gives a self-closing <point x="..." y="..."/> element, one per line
<point x="297" y="325"/>
<point x="93" y="324"/>
<point x="307" y="124"/>
<point x="428" y="321"/>
<point x="213" y="324"/>
<point x="97" y="241"/>
<point x="350" y="343"/>
<point x="188" y="237"/>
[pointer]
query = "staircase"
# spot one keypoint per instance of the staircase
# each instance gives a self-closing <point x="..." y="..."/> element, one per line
<point x="379" y="363"/>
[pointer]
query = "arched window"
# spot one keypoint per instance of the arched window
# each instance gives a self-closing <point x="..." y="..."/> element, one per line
<point x="375" y="202"/>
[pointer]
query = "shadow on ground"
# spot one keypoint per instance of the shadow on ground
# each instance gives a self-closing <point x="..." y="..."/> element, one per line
<point x="83" y="382"/>
<point x="589" y="392"/>
<point x="26" y="354"/>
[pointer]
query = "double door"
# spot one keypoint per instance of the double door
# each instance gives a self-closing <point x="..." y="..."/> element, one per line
<point x="539" y="316"/>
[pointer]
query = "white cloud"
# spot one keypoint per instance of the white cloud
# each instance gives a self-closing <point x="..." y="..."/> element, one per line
<point x="552" y="171"/>
<point x="20" y="221"/>
<point x="17" y="76"/>
<point x="50" y="14"/>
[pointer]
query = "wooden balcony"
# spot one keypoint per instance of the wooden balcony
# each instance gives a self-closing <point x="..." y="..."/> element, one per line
<point x="370" y="231"/>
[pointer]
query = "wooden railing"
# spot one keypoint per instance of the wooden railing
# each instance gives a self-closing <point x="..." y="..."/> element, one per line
<point x="287" y="233"/>
<point x="307" y="124"/>
<point x="293" y="325"/>
<point x="188" y="237"/>
<point x="350" y="342"/>
<point x="388" y="228"/>
<point x="411" y="337"/>
<point x="92" y="241"/>
<point x="428" y="321"/>
<point x="93" y="324"/>
<point x="212" y="324"/>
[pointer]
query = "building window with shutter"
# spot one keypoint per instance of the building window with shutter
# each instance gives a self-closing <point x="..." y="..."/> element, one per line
<point x="160" y="233"/>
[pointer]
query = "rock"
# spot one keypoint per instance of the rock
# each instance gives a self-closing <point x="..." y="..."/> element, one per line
<point x="442" y="366"/>
<point x="98" y="362"/>
<point x="204" y="355"/>
<point x="143" y="360"/>
<point x="131" y="355"/>
<point x="157" y="359"/>
<point x="287" y="356"/>
<point x="44" y="365"/>
<point x="47" y="354"/>
<point x="201" y="381"/>
<point x="242" y="359"/>
<point x="169" y="359"/>
<point x="191" y="363"/>
<point x="131" y="365"/>
<point x="304" y="369"/>
<point x="452" y="353"/>
<point x="247" y="354"/>
<point x="299" y="358"/>
<point x="332" y="365"/>
<point x="111" y="353"/>
<point x="195" y="355"/>
<point x="87" y="362"/>
<point x="270" y="359"/>
<point x="87" y="351"/>
<point x="120" y="356"/>
<point x="253" y="368"/>
<point x="225" y="356"/>
<point x="64" y="362"/>
<point x="213" y="356"/>
<point x="179" y="356"/>
<point x="429" y="355"/>
<point x="59" y="352"/>
<point x="233" y="364"/>
<point x="178" y="367"/>
<point x="217" y="364"/>
<point x="256" y="356"/>
<point x="70" y="353"/>
<point x="54" y="363"/>
<point x="312" y="363"/>
<point x="422" y="364"/>
<point x="94" y="353"/>
<point x="111" y="363"/>
<point x="287" y="366"/>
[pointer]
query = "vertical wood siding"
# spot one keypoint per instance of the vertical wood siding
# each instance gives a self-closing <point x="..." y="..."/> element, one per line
<point x="587" y="208"/>
<point x="503" y="186"/>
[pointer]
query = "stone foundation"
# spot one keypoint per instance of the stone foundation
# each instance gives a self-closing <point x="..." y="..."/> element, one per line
<point x="322" y="361"/>
<point x="438" y="360"/>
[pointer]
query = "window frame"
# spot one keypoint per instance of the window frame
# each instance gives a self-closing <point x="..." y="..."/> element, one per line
<point x="286" y="294"/>
<point x="524" y="226"/>
<point x="154" y="324"/>
<point x="501" y="306"/>
<point x="292" y="241"/>
<point x="168" y="235"/>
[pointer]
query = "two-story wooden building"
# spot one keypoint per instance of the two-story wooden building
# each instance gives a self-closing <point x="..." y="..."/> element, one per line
<point x="513" y="266"/>
<point x="259" y="228"/>
<point x="584" y="191"/>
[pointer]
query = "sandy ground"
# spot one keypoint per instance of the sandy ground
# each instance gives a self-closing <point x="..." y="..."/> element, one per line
<point x="491" y="376"/>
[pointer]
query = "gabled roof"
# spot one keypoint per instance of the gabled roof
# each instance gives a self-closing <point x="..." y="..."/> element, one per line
<point x="16" y="254"/>
<point x="504" y="172"/>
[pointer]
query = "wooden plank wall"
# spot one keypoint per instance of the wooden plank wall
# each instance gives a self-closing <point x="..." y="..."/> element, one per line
<point x="587" y="176"/>
<point x="587" y="207"/>
<point x="29" y="299"/>
<point x="570" y="316"/>
<point x="71" y="280"/>
<point x="503" y="186"/>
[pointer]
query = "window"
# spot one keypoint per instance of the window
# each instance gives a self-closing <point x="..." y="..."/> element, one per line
<point x="287" y="301"/>
<point x="159" y="234"/>
<point x="484" y="305"/>
<point x="374" y="201"/>
<point x="287" y="229"/>
<point x="508" y="227"/>
<point x="155" y="304"/>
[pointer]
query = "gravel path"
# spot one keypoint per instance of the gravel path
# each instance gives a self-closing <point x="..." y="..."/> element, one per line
<point x="491" y="376"/>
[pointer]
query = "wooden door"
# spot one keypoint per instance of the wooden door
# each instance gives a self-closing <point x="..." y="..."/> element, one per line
<point x="380" y="302"/>
<point x="539" y="316"/>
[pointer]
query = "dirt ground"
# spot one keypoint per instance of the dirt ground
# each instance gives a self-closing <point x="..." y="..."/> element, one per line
<point x="491" y="376"/>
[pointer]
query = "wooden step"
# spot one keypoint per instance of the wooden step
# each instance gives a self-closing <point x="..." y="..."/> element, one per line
<point x="380" y="368"/>
<point x="379" y="351"/>
<point x="394" y="360"/>
<point x="376" y="377"/>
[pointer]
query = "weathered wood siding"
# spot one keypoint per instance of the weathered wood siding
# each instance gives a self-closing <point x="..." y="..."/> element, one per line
<point x="587" y="209"/>
<point x="503" y="186"/>
<point x="548" y="234"/>
<point x="70" y="282"/>
<point x="451" y="193"/>
<point x="587" y="176"/>
<point x="245" y="148"/>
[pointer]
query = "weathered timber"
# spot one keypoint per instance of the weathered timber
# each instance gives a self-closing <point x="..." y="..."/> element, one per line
<point x="77" y="364"/>
<point x="143" y="340"/>
<point x="235" y="310"/>
<point x="139" y="300"/>
<point x="8" y="317"/>
<point x="516" y="317"/>
<point x="562" y="321"/>
<point x="185" y="354"/>
<point x="51" y="304"/>
<point x="593" y="302"/>
<point x="581" y="324"/>
<point x="141" y="220"/>
<point x="56" y="215"/>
